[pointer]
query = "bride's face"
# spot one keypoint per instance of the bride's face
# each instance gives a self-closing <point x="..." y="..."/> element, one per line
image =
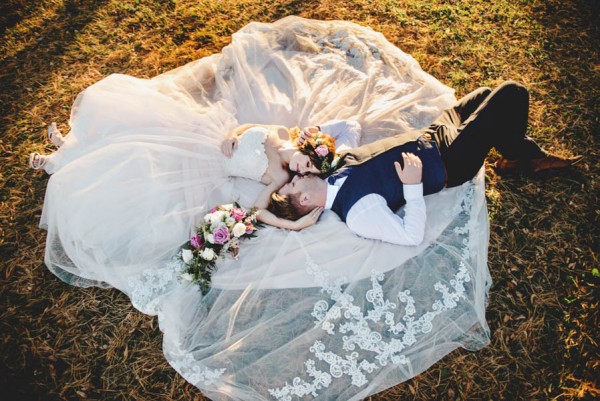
<point x="301" y="164"/>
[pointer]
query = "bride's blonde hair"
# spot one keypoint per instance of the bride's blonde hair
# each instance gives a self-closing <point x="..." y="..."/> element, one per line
<point x="320" y="149"/>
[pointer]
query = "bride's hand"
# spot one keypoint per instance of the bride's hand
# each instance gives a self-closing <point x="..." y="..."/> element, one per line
<point x="309" y="220"/>
<point x="229" y="146"/>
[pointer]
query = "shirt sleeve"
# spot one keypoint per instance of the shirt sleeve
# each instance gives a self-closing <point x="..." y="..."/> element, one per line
<point x="346" y="133"/>
<point x="371" y="218"/>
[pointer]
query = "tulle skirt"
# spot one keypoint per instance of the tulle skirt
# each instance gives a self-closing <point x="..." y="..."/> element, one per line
<point x="316" y="314"/>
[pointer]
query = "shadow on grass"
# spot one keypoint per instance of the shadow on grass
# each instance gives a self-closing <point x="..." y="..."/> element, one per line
<point x="559" y="209"/>
<point x="32" y="65"/>
<point x="14" y="11"/>
<point x="569" y="57"/>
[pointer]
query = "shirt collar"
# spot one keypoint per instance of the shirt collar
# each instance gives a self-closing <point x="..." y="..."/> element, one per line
<point x="332" y="191"/>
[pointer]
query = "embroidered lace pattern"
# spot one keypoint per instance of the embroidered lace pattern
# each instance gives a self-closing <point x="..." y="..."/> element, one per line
<point x="365" y="349"/>
<point x="145" y="293"/>
<point x="145" y="289"/>
<point x="194" y="372"/>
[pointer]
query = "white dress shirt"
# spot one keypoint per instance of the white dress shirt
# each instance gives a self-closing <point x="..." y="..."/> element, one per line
<point x="370" y="217"/>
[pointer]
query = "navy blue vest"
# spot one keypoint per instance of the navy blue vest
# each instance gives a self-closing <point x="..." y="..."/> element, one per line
<point x="378" y="175"/>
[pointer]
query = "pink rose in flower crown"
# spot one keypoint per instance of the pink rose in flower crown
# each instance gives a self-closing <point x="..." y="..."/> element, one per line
<point x="322" y="150"/>
<point x="221" y="235"/>
<point x="238" y="214"/>
<point x="196" y="241"/>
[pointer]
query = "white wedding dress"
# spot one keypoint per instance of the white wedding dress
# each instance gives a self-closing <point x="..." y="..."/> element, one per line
<point x="316" y="314"/>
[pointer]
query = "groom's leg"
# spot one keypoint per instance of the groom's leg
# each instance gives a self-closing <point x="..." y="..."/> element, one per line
<point x="471" y="102"/>
<point x="500" y="121"/>
<point x="445" y="128"/>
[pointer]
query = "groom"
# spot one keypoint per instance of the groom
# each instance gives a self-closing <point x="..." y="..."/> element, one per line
<point x="365" y="190"/>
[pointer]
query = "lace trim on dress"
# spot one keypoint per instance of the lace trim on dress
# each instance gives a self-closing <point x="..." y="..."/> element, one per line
<point x="358" y="336"/>
<point x="145" y="293"/>
<point x="145" y="289"/>
<point x="196" y="373"/>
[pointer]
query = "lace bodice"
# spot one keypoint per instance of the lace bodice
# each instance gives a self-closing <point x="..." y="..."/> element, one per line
<point x="249" y="160"/>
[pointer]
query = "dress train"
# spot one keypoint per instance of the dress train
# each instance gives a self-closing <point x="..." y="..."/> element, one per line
<point x="315" y="314"/>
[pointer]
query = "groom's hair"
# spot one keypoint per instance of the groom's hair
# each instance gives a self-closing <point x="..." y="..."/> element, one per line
<point x="287" y="206"/>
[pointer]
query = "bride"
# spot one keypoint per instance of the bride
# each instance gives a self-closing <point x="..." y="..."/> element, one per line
<point x="264" y="153"/>
<point x="318" y="313"/>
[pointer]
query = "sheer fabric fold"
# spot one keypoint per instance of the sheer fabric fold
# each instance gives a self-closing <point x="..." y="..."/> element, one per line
<point x="315" y="314"/>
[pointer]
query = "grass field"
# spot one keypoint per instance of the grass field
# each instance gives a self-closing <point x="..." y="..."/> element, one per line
<point x="66" y="343"/>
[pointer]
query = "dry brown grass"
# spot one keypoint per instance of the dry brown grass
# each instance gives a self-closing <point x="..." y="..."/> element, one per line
<point x="66" y="343"/>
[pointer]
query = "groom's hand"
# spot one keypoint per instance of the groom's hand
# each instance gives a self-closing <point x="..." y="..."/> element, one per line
<point x="413" y="169"/>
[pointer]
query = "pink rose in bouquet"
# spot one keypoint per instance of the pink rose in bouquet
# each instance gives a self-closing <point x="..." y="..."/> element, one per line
<point x="221" y="235"/>
<point x="238" y="214"/>
<point x="195" y="241"/>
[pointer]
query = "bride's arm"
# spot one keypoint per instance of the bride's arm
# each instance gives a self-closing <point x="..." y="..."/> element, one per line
<point x="230" y="143"/>
<point x="346" y="133"/>
<point x="265" y="216"/>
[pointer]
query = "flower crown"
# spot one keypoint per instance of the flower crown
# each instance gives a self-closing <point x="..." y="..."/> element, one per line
<point x="322" y="151"/>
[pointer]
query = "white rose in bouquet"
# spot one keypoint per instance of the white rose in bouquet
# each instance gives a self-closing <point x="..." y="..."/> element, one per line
<point x="207" y="254"/>
<point x="228" y="206"/>
<point x="239" y="229"/>
<point x="187" y="255"/>
<point x="217" y="217"/>
<point x="187" y="277"/>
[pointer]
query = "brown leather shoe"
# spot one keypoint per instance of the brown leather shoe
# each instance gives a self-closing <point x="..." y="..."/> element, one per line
<point x="547" y="162"/>
<point x="553" y="162"/>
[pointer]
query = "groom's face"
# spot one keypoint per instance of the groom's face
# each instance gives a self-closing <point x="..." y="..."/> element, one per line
<point x="298" y="184"/>
<point x="301" y="187"/>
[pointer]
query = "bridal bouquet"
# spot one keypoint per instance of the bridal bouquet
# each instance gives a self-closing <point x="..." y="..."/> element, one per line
<point x="221" y="232"/>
